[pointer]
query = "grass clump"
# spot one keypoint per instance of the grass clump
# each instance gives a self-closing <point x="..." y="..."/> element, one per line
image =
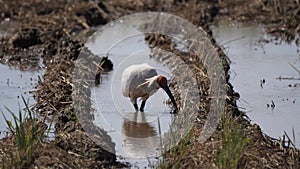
<point x="177" y="153"/>
<point x="25" y="137"/>
<point x="233" y="142"/>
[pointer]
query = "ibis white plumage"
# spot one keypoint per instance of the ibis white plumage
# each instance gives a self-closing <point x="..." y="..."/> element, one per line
<point x="142" y="81"/>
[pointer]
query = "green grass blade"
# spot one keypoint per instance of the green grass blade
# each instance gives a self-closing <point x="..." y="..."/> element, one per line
<point x="9" y="124"/>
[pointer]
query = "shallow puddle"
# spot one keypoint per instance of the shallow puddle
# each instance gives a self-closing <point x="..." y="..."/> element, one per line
<point x="253" y="62"/>
<point x="14" y="84"/>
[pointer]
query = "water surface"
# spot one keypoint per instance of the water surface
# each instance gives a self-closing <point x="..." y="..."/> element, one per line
<point x="14" y="84"/>
<point x="251" y="63"/>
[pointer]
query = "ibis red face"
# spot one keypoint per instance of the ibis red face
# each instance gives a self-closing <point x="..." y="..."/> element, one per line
<point x="163" y="83"/>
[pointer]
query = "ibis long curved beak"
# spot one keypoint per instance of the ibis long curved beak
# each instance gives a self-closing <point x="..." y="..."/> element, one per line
<point x="167" y="90"/>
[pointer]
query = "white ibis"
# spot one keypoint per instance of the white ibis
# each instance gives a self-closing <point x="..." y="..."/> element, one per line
<point x="142" y="81"/>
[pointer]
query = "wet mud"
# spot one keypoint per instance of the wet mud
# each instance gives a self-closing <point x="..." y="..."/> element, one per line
<point x="53" y="33"/>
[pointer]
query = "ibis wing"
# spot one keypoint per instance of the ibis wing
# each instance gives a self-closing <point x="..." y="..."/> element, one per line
<point x="135" y="77"/>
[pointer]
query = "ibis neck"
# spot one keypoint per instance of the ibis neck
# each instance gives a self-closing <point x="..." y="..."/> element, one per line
<point x="167" y="90"/>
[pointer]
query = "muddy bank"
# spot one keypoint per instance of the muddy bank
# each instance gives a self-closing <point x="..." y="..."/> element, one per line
<point x="45" y="31"/>
<point x="55" y="32"/>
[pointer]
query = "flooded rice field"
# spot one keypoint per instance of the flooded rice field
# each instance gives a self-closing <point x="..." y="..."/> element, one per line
<point x="263" y="73"/>
<point x="256" y="68"/>
<point x="266" y="75"/>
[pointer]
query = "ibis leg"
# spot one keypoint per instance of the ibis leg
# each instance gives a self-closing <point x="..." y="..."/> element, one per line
<point x="143" y="105"/>
<point x="136" y="106"/>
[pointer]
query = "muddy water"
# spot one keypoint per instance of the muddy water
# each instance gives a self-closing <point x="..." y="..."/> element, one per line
<point x="136" y="134"/>
<point x="13" y="85"/>
<point x="251" y="63"/>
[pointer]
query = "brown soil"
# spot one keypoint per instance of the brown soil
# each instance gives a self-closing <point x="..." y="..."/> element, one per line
<point x="55" y="32"/>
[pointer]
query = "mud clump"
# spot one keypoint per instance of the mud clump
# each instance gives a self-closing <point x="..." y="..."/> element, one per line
<point x="92" y="16"/>
<point x="26" y="37"/>
<point x="104" y="66"/>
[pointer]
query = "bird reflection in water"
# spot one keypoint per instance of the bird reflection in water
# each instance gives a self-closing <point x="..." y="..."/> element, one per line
<point x="140" y="137"/>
